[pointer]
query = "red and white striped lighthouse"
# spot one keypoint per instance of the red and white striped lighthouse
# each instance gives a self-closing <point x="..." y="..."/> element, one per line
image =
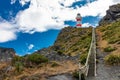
<point x="78" y="19"/>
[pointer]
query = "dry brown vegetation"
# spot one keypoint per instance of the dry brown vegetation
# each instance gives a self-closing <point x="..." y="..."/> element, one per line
<point x="2" y="65"/>
<point x="44" y="70"/>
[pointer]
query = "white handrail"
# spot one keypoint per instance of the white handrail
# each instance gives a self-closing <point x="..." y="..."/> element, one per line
<point x="86" y="66"/>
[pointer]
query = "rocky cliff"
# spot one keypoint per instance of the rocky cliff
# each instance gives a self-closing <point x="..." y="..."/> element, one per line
<point x="6" y="54"/>
<point x="113" y="14"/>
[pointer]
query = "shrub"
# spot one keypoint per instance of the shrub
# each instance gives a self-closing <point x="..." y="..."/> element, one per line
<point x="112" y="59"/>
<point x="112" y="41"/>
<point x="109" y="49"/>
<point x="82" y="38"/>
<point x="118" y="43"/>
<point x="17" y="59"/>
<point x="19" y="67"/>
<point x="83" y="58"/>
<point x="69" y="54"/>
<point x="54" y="64"/>
<point x="74" y="49"/>
<point x="60" y="52"/>
<point x="75" y="74"/>
<point x="37" y="58"/>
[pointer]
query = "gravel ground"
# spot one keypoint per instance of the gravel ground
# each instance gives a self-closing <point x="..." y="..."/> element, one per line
<point x="61" y="77"/>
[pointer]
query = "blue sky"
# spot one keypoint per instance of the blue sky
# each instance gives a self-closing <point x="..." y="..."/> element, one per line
<point x="29" y="25"/>
<point x="38" y="40"/>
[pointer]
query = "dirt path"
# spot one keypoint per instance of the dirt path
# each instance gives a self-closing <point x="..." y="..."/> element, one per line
<point x="105" y="72"/>
<point x="102" y="43"/>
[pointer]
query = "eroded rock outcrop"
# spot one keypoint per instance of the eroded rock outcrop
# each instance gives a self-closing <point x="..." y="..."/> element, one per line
<point x="6" y="54"/>
<point x="113" y="14"/>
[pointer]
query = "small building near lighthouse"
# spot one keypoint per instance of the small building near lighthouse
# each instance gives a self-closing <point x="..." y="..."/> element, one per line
<point x="78" y="21"/>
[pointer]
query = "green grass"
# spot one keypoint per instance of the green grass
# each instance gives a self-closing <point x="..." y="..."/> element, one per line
<point x="54" y="64"/>
<point x="76" y="74"/>
<point x="19" y="67"/>
<point x="73" y="40"/>
<point x="113" y="40"/>
<point x="28" y="60"/>
<point x="17" y="59"/>
<point x="83" y="58"/>
<point x="111" y="32"/>
<point x="109" y="49"/>
<point x="112" y="59"/>
<point x="37" y="58"/>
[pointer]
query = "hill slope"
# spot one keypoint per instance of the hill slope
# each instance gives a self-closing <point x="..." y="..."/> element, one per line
<point x="73" y="41"/>
<point x="109" y="41"/>
<point x="70" y="43"/>
<point x="109" y="35"/>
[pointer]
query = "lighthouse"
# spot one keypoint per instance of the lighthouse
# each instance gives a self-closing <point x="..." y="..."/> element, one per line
<point x="78" y="21"/>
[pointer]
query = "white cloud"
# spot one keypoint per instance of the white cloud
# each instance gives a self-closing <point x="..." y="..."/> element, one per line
<point x="86" y="25"/>
<point x="31" y="46"/>
<point x="45" y="14"/>
<point x="6" y="36"/>
<point x="116" y="1"/>
<point x="23" y="2"/>
<point x="28" y="53"/>
<point x="96" y="8"/>
<point x="89" y="24"/>
<point x="68" y="2"/>
<point x="88" y="1"/>
<point x="13" y="1"/>
<point x="7" y="32"/>
<point x="41" y="15"/>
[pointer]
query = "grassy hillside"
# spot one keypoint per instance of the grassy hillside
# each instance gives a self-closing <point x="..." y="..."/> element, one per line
<point x="109" y="41"/>
<point x="73" y="41"/>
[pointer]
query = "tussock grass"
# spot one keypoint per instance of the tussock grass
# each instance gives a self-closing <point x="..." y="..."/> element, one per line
<point x="109" y="49"/>
<point x="112" y="59"/>
<point x="83" y="58"/>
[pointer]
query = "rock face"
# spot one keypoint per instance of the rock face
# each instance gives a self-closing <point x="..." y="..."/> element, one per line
<point x="113" y="14"/>
<point x="55" y="56"/>
<point x="6" y="54"/>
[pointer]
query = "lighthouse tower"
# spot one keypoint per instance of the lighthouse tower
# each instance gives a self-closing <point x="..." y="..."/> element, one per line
<point x="78" y="19"/>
